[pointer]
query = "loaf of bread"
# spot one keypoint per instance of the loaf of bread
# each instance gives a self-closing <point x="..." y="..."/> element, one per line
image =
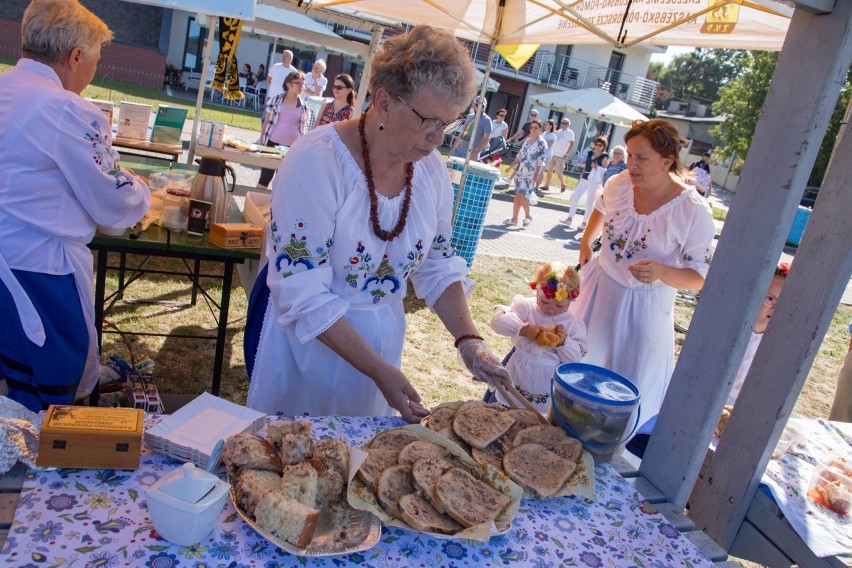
<point x="421" y="516"/>
<point x="331" y="483"/>
<point x="547" y="336"/>
<point x="275" y="431"/>
<point x="296" y="448"/>
<point x="536" y="468"/>
<point x="299" y="483"/>
<point x="393" y="483"/>
<point x="393" y="439"/>
<point x="467" y="499"/>
<point x="250" y="451"/>
<point x="481" y="425"/>
<point x="251" y="485"/>
<point x="287" y="519"/>
<point x="335" y="452"/>
<point x="421" y="449"/>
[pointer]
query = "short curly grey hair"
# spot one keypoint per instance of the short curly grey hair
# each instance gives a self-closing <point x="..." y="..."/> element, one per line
<point x="50" y="29"/>
<point x="425" y="58"/>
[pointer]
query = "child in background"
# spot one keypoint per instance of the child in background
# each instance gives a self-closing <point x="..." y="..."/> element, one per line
<point x="542" y="331"/>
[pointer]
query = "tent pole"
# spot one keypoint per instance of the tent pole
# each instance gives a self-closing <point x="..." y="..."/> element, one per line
<point x="480" y="110"/>
<point x="368" y="69"/>
<point x="202" y="82"/>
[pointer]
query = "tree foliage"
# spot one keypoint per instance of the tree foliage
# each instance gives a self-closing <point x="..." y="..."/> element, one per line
<point x="700" y="73"/>
<point x="741" y="102"/>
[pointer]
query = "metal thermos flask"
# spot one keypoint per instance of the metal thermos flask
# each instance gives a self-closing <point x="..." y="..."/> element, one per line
<point x="209" y="185"/>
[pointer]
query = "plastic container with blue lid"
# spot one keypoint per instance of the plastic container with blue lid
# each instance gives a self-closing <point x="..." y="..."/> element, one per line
<point x="594" y="405"/>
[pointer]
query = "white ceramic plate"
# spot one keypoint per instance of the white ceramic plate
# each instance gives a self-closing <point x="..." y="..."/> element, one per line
<point x="199" y="425"/>
<point x="364" y="530"/>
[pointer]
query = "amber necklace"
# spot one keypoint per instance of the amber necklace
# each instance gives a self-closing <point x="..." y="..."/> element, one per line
<point x="371" y="189"/>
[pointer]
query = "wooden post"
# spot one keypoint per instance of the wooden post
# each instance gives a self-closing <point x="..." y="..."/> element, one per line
<point x="365" y="75"/>
<point x="800" y="101"/>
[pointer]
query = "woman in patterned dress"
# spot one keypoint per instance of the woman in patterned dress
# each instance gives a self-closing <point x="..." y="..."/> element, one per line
<point x="527" y="166"/>
<point x="340" y="108"/>
<point x="657" y="235"/>
<point x="358" y="209"/>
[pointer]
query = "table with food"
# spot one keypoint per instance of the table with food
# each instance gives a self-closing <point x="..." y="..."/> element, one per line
<point x="473" y="484"/>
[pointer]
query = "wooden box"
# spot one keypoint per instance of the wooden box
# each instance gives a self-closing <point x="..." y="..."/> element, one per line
<point x="90" y="437"/>
<point x="235" y="235"/>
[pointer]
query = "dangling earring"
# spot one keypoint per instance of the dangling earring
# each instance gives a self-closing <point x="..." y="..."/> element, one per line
<point x="382" y="127"/>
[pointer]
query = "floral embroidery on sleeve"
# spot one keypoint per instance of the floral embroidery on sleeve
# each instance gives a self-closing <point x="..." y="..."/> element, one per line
<point x="295" y="251"/>
<point x="105" y="156"/>
<point x="441" y="245"/>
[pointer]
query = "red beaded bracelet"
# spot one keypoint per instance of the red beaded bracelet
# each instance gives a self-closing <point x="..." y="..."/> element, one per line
<point x="464" y="337"/>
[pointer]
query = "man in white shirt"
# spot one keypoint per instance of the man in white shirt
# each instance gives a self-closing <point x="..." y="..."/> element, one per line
<point x="561" y="148"/>
<point x="316" y="81"/>
<point x="279" y="72"/>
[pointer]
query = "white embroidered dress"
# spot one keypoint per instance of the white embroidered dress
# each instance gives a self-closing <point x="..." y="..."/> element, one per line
<point x="325" y="263"/>
<point x="630" y="325"/>
<point x="61" y="178"/>
<point x="531" y="366"/>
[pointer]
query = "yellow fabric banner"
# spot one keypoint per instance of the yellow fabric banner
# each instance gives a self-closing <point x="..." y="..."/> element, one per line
<point x="517" y="55"/>
<point x="226" y="62"/>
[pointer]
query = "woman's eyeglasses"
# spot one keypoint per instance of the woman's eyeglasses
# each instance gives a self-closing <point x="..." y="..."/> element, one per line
<point x="432" y="125"/>
<point x="340" y="87"/>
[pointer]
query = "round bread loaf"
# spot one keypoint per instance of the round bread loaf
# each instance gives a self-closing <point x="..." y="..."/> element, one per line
<point x="394" y="482"/>
<point x="422" y="516"/>
<point x="536" y="468"/>
<point x="393" y="439"/>
<point x="467" y="499"/>
<point x="421" y="449"/>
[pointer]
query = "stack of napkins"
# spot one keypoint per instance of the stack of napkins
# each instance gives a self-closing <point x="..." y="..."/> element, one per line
<point x="195" y="433"/>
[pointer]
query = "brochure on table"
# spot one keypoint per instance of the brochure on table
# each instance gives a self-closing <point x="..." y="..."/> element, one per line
<point x="133" y="119"/>
<point x="168" y="124"/>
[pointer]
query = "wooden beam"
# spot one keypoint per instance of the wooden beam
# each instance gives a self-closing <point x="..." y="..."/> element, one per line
<point x="807" y="81"/>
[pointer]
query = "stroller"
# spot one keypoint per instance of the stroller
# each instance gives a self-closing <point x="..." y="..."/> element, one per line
<point x="492" y="155"/>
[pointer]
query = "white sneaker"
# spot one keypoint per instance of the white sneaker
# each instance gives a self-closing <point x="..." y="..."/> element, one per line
<point x="582" y="227"/>
<point x="566" y="222"/>
<point x="527" y="221"/>
<point x="509" y="222"/>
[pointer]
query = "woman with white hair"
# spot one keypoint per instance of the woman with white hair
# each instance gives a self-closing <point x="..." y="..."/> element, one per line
<point x="359" y="208"/>
<point x="60" y="179"/>
<point x="316" y="81"/>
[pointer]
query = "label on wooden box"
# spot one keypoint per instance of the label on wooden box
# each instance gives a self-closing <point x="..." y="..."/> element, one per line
<point x="235" y="235"/>
<point x="91" y="437"/>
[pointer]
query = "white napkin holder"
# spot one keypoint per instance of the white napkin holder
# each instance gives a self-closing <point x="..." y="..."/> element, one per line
<point x="185" y="504"/>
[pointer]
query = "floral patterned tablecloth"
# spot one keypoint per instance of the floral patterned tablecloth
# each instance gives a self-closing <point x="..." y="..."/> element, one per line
<point x="98" y="518"/>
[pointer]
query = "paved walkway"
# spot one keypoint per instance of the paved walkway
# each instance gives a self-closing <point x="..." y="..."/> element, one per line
<point x="544" y="239"/>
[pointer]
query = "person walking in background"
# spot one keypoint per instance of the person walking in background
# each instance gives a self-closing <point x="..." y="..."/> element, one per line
<point x="700" y="175"/>
<point x="561" y="150"/>
<point x="278" y="73"/>
<point x="657" y="236"/>
<point x="341" y="107"/>
<point x="590" y="182"/>
<point x="543" y="332"/>
<point x="549" y="137"/>
<point x="284" y="119"/>
<point x="841" y="408"/>
<point x="527" y="166"/>
<point x="316" y="81"/>
<point x="478" y="136"/>
<point x="524" y="131"/>
<point x="616" y="164"/>
<point x="499" y="129"/>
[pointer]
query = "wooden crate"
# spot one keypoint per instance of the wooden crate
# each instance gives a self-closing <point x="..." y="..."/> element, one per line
<point x="91" y="437"/>
<point x="235" y="235"/>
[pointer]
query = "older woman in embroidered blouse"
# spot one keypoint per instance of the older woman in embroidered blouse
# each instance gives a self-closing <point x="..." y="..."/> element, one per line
<point x="358" y="209"/>
<point x="657" y="236"/>
<point x="60" y="178"/>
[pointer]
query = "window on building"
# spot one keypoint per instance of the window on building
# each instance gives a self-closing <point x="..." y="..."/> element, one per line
<point x="193" y="53"/>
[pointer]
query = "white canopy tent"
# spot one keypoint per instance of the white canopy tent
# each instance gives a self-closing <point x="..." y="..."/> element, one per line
<point x="815" y="58"/>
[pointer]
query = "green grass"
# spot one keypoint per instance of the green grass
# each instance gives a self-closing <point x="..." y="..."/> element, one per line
<point x="117" y="91"/>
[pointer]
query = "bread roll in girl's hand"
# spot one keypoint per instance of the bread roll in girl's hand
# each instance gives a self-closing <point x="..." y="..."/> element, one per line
<point x="547" y="336"/>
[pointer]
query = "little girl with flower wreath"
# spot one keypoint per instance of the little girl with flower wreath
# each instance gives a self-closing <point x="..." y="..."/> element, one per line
<point x="544" y="334"/>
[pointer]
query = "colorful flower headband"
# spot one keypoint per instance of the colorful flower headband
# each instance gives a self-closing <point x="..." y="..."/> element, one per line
<point x="554" y="289"/>
<point x="782" y="269"/>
